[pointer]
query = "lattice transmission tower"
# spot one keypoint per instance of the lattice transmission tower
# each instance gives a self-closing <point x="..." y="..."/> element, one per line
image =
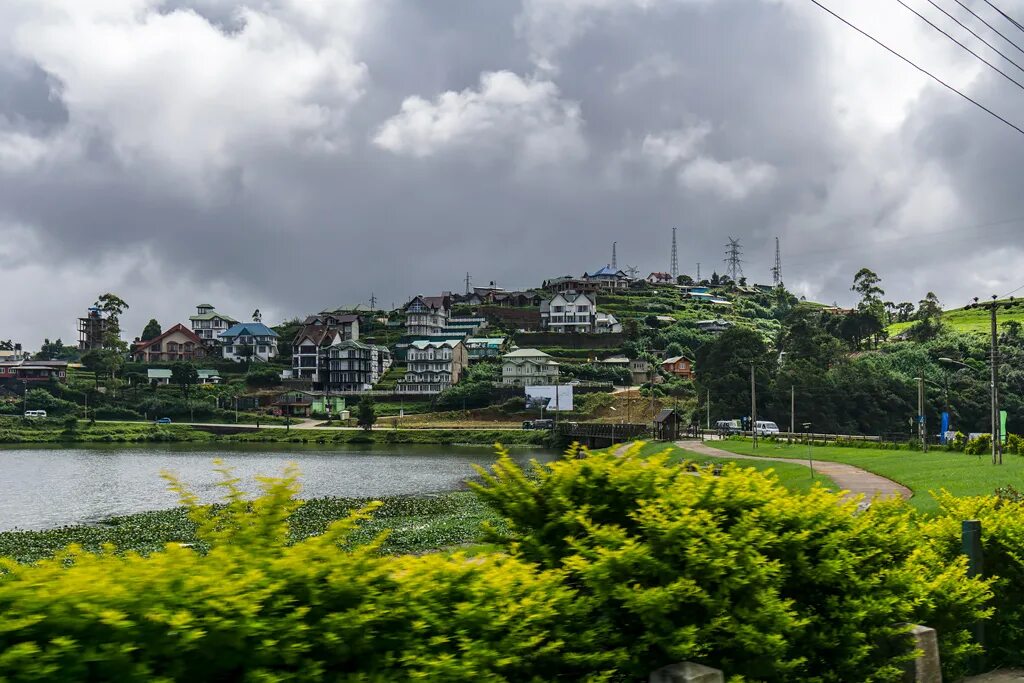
<point x="733" y="262"/>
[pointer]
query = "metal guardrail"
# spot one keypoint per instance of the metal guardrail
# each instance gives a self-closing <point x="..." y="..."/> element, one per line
<point x="607" y="430"/>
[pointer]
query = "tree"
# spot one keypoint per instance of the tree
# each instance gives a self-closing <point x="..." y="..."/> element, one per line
<point x="151" y="331"/>
<point x="366" y="414"/>
<point x="100" y="361"/>
<point x="723" y="368"/>
<point x="185" y="375"/>
<point x="866" y="283"/>
<point x="871" y="321"/>
<point x="8" y="345"/>
<point x="673" y="349"/>
<point x="631" y="326"/>
<point x="929" y="319"/>
<point x="685" y="280"/>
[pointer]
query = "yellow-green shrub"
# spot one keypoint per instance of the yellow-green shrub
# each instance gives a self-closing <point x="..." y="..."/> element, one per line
<point x="251" y="607"/>
<point x="733" y="570"/>
<point x="1002" y="539"/>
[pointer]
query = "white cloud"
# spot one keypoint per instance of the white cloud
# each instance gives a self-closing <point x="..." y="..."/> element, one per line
<point x="550" y="26"/>
<point x="174" y="91"/>
<point x="679" y="151"/>
<point x="733" y="180"/>
<point x="505" y="109"/>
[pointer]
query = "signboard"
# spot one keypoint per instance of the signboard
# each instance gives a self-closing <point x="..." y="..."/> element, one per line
<point x="1002" y="426"/>
<point x="945" y="428"/>
<point x="562" y="403"/>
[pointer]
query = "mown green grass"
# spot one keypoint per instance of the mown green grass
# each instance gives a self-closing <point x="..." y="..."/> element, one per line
<point x="961" y="475"/>
<point x="795" y="478"/>
<point x="414" y="524"/>
<point x="971" y="320"/>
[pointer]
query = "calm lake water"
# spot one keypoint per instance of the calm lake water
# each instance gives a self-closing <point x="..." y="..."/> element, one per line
<point x="41" y="487"/>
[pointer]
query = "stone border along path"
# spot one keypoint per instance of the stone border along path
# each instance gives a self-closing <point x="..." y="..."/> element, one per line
<point x="847" y="477"/>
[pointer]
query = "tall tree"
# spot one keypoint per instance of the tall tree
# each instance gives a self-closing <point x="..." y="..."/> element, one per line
<point x="871" y="322"/>
<point x="867" y="284"/>
<point x="185" y="375"/>
<point x="723" y="368"/>
<point x="151" y="331"/>
<point x="366" y="414"/>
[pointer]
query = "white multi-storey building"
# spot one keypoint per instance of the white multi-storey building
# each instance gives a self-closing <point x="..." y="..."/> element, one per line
<point x="249" y="341"/>
<point x="528" y="367"/>
<point x="569" y="312"/>
<point x="208" y="324"/>
<point x="427" y="316"/>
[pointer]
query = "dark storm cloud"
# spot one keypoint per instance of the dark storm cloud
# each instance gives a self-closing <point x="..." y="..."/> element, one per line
<point x="327" y="213"/>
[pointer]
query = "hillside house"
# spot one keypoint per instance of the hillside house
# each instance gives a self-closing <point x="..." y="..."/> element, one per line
<point x="433" y="366"/>
<point x="177" y="343"/>
<point x="660" y="278"/>
<point x="481" y="348"/>
<point x="713" y="326"/>
<point x="608" y="278"/>
<point x="527" y="368"/>
<point x="208" y="324"/>
<point x="355" y="366"/>
<point x="606" y="323"/>
<point x="569" y="312"/>
<point x="427" y="316"/>
<point x="680" y="366"/>
<point x="28" y="372"/>
<point x="158" y="376"/>
<point x="248" y="341"/>
<point x="317" y="334"/>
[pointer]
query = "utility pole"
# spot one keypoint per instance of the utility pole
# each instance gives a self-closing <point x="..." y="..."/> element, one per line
<point x="468" y="280"/>
<point x="373" y="302"/>
<point x="652" y="395"/>
<point x="921" y="430"/>
<point x="792" y="412"/>
<point x="753" y="405"/>
<point x="708" y="407"/>
<point x="698" y="272"/>
<point x="997" y="441"/>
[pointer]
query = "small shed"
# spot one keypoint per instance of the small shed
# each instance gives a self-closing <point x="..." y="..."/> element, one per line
<point x="667" y="425"/>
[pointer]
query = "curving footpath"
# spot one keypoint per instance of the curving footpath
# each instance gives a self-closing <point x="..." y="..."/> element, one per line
<point x="852" y="479"/>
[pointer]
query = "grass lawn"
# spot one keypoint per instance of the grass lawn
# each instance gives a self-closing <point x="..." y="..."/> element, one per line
<point x="970" y="320"/>
<point x="796" y="478"/>
<point x="961" y="475"/>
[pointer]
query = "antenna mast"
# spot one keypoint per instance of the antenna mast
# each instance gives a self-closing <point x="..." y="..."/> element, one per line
<point x="777" y="270"/>
<point x="614" y="260"/>
<point x="468" y="280"/>
<point x="674" y="268"/>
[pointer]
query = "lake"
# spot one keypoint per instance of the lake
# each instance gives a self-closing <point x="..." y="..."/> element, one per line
<point x="45" y="487"/>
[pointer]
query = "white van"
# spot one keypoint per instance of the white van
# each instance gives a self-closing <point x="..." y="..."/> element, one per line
<point x="35" y="413"/>
<point x="765" y="428"/>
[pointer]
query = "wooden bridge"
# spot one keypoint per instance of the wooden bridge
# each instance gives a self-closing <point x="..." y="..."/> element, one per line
<point x="602" y="434"/>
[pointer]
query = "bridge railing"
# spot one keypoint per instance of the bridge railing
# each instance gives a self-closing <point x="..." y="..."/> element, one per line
<point x="604" y="430"/>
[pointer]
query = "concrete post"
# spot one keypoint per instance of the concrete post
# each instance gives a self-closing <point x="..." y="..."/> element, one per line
<point x="924" y="669"/>
<point x="687" y="672"/>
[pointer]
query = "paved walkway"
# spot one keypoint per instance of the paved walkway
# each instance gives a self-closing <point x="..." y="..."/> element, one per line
<point x="1004" y="676"/>
<point x="847" y="477"/>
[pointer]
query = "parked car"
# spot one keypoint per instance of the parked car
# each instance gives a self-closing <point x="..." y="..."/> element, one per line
<point x="527" y="424"/>
<point x="544" y="424"/>
<point x="163" y="421"/>
<point x="728" y="427"/>
<point x="766" y="428"/>
<point x="35" y="413"/>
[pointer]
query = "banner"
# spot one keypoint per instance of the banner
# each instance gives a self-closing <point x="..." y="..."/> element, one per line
<point x="945" y="428"/>
<point x="563" y="401"/>
<point x="1002" y="426"/>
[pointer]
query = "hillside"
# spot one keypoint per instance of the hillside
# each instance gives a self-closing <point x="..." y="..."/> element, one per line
<point x="970" y="320"/>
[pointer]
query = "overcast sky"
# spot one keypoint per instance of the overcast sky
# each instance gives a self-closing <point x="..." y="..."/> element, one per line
<point x="295" y="155"/>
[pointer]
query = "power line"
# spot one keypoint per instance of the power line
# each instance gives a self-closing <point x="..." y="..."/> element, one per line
<point x="976" y="35"/>
<point x="1005" y="15"/>
<point x="976" y="55"/>
<point x="993" y="28"/>
<point x="921" y="69"/>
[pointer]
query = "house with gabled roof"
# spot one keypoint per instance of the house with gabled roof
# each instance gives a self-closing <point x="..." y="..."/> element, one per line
<point x="317" y="334"/>
<point x="208" y="324"/>
<point x="528" y="367"/>
<point x="433" y="366"/>
<point x="427" y="316"/>
<point x="248" y="342"/>
<point x="178" y="343"/>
